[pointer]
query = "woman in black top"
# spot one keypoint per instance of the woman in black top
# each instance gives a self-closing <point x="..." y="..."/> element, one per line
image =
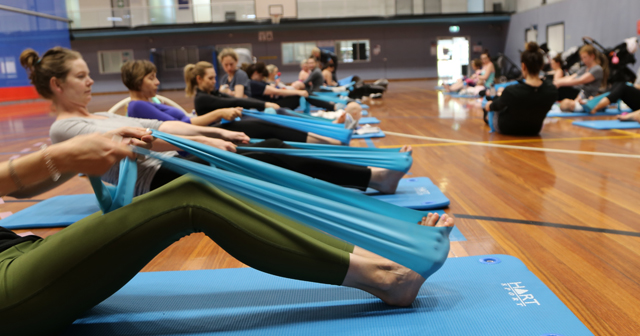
<point x="200" y="79"/>
<point x="261" y="90"/>
<point x="521" y="108"/>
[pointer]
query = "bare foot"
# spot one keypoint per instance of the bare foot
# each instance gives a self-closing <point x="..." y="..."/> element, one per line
<point x="406" y="148"/>
<point x="631" y="116"/>
<point x="385" y="180"/>
<point x="432" y="220"/>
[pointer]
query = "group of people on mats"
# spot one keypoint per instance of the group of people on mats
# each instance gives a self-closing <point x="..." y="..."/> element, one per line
<point x="520" y="109"/>
<point x="60" y="277"/>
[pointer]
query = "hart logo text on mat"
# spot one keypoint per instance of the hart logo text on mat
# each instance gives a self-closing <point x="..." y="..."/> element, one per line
<point x="520" y="294"/>
<point x="422" y="191"/>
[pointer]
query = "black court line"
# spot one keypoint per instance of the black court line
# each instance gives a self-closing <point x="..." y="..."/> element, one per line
<point x="547" y="224"/>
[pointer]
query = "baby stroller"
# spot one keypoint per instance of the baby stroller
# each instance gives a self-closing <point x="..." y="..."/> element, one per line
<point x="619" y="58"/>
<point x="506" y="69"/>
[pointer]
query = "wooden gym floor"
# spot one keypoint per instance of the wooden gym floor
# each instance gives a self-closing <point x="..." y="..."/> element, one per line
<point x="572" y="219"/>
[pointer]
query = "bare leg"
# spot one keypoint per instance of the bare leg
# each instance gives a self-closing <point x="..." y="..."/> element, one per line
<point x="386" y="180"/>
<point x="319" y="139"/>
<point x="602" y="104"/>
<point x="394" y="284"/>
<point x="457" y="86"/>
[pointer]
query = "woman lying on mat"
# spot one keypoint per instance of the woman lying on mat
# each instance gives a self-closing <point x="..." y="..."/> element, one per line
<point x="522" y="107"/>
<point x="57" y="279"/>
<point x="589" y="78"/>
<point x="140" y="78"/>
<point x="62" y="76"/>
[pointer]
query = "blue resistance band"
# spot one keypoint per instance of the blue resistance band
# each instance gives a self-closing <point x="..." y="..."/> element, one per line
<point x="111" y="198"/>
<point x="330" y="99"/>
<point x="377" y="226"/>
<point x="591" y="104"/>
<point x="305" y="145"/>
<point x="388" y="160"/>
<point x="490" y="115"/>
<point x="320" y="127"/>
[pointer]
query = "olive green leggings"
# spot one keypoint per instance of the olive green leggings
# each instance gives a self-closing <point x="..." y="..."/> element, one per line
<point x="47" y="284"/>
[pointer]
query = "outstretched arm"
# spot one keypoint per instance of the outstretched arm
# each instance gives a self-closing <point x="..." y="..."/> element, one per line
<point x="272" y="91"/>
<point x="183" y="129"/>
<point x="217" y="115"/>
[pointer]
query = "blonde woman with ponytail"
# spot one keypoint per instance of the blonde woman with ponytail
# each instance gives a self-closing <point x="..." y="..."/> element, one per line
<point x="590" y="78"/>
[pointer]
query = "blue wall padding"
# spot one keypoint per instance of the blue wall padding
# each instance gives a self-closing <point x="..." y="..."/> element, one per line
<point x="21" y="31"/>
<point x="467" y="297"/>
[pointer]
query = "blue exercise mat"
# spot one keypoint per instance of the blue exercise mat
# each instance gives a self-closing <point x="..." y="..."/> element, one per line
<point x="455" y="95"/>
<point x="54" y="212"/>
<point x="607" y="124"/>
<point x="415" y="193"/>
<point x="368" y="136"/>
<point x="468" y="296"/>
<point x="607" y="112"/>
<point x="368" y="120"/>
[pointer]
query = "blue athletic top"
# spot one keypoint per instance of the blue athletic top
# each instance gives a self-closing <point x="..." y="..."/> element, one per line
<point x="148" y="110"/>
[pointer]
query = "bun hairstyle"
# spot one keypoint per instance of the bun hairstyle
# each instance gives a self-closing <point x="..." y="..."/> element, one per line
<point x="191" y="73"/>
<point x="532" y="58"/>
<point x="134" y="72"/>
<point x="53" y="63"/>
<point x="601" y="59"/>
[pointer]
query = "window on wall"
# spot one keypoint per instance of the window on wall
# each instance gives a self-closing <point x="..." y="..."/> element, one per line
<point x="555" y="37"/>
<point x="353" y="51"/>
<point x="296" y="52"/>
<point x="531" y="35"/>
<point x="178" y="58"/>
<point x="111" y="61"/>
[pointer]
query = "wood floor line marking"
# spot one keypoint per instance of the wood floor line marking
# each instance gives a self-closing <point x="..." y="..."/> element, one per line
<point x="633" y="135"/>
<point x="547" y="224"/>
<point x="536" y="149"/>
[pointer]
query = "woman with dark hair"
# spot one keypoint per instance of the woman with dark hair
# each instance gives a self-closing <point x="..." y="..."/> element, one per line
<point x="488" y="74"/>
<point x="522" y="107"/>
<point x="590" y="78"/>
<point x="261" y="90"/>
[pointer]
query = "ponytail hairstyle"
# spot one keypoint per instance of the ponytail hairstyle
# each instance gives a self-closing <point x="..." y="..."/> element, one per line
<point x="558" y="59"/>
<point x="134" y="72"/>
<point x="532" y="58"/>
<point x="191" y="73"/>
<point x="259" y="67"/>
<point x="53" y="63"/>
<point x="601" y="59"/>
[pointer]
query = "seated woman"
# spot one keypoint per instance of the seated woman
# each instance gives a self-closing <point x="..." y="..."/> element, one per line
<point x="140" y="78"/>
<point x="589" y="78"/>
<point x="59" y="278"/>
<point x="234" y="82"/>
<point x="488" y="73"/>
<point x="327" y="74"/>
<point x="471" y="81"/>
<point x="274" y="76"/>
<point x="261" y="90"/>
<point x="70" y="92"/>
<point x="557" y="71"/>
<point x="304" y="71"/>
<point x="522" y="107"/>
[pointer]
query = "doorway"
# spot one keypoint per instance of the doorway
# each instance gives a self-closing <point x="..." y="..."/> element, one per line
<point x="453" y="57"/>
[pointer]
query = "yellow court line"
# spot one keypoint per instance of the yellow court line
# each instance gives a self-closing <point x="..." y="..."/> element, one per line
<point x="631" y="135"/>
